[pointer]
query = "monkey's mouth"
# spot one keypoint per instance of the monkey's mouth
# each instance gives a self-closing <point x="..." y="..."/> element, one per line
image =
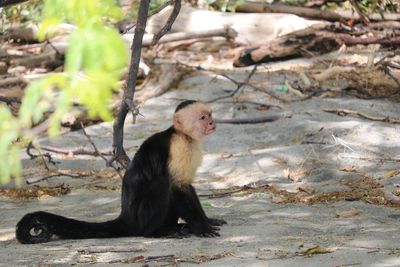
<point x="210" y="130"/>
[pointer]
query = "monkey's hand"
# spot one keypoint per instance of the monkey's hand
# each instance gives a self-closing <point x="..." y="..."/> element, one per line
<point x="204" y="230"/>
<point x="216" y="222"/>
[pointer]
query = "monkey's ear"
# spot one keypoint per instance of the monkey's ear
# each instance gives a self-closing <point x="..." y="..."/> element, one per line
<point x="177" y="121"/>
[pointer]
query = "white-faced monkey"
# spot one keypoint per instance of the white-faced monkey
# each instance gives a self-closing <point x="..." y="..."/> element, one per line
<point x="156" y="189"/>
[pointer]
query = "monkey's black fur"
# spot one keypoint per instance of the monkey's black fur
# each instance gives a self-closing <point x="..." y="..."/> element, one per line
<point x="150" y="204"/>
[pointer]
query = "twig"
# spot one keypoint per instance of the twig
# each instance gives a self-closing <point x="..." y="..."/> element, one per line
<point x="344" y="112"/>
<point x="98" y="152"/>
<point x="59" y="173"/>
<point x="75" y="151"/>
<point x="170" y="21"/>
<point x="238" y="84"/>
<point x="158" y="10"/>
<point x="43" y="156"/>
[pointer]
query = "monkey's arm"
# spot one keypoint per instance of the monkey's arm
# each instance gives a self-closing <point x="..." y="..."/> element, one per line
<point x="188" y="207"/>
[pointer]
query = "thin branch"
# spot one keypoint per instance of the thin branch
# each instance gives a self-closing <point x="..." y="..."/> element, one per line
<point x="97" y="151"/>
<point x="59" y="173"/>
<point x="343" y="112"/>
<point x="238" y="84"/>
<point x="170" y="21"/>
<point x="75" y="151"/>
<point x="41" y="155"/>
<point x="158" y="10"/>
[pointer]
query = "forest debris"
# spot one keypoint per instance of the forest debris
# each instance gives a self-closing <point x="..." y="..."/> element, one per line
<point x="343" y="112"/>
<point x="295" y="175"/>
<point x="348" y="213"/>
<point x="390" y="174"/>
<point x="316" y="250"/>
<point x="35" y="191"/>
<point x="135" y="259"/>
<point x="203" y="258"/>
<point x="226" y="32"/>
<point x="111" y="249"/>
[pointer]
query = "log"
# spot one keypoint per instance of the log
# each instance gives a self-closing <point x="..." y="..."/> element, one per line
<point x="329" y="15"/>
<point x="312" y="41"/>
<point x="315" y="40"/>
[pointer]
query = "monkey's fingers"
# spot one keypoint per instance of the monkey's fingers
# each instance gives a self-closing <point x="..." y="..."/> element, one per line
<point x="216" y="222"/>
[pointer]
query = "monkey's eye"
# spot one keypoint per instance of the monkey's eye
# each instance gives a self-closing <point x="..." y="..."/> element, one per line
<point x="203" y="118"/>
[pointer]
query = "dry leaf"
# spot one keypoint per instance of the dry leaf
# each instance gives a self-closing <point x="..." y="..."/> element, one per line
<point x="390" y="174"/>
<point x="307" y="189"/>
<point x="317" y="250"/>
<point x="348" y="213"/>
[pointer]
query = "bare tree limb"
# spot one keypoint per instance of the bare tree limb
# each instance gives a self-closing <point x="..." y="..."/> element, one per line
<point x="129" y="92"/>
<point x="268" y="118"/>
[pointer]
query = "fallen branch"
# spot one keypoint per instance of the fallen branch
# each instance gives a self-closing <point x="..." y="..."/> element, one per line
<point x="268" y="118"/>
<point x="262" y="7"/>
<point x="75" y="151"/>
<point x="238" y="84"/>
<point x="226" y="32"/>
<point x="344" y="112"/>
<point x="56" y="174"/>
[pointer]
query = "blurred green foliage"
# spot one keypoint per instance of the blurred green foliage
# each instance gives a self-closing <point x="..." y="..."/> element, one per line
<point x="95" y="60"/>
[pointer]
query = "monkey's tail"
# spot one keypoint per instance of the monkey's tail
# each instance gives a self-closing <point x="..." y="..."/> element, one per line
<point x="39" y="227"/>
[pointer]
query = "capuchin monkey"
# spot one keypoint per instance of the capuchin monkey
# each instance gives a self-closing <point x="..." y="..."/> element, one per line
<point x="156" y="189"/>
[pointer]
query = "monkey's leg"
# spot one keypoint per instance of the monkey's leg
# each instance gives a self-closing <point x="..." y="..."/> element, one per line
<point x="212" y="221"/>
<point x="189" y="208"/>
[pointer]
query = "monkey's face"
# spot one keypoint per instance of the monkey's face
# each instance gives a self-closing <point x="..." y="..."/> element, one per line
<point x="195" y="120"/>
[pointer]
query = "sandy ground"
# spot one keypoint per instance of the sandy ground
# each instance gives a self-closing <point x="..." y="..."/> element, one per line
<point x="309" y="154"/>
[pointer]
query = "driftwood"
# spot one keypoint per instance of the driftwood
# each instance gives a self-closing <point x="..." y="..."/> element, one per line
<point x="315" y="40"/>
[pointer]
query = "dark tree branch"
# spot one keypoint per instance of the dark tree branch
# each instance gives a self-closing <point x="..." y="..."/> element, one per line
<point x="268" y="118"/>
<point x="129" y="92"/>
<point x="158" y="10"/>
<point x="170" y="21"/>
<point x="10" y="2"/>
